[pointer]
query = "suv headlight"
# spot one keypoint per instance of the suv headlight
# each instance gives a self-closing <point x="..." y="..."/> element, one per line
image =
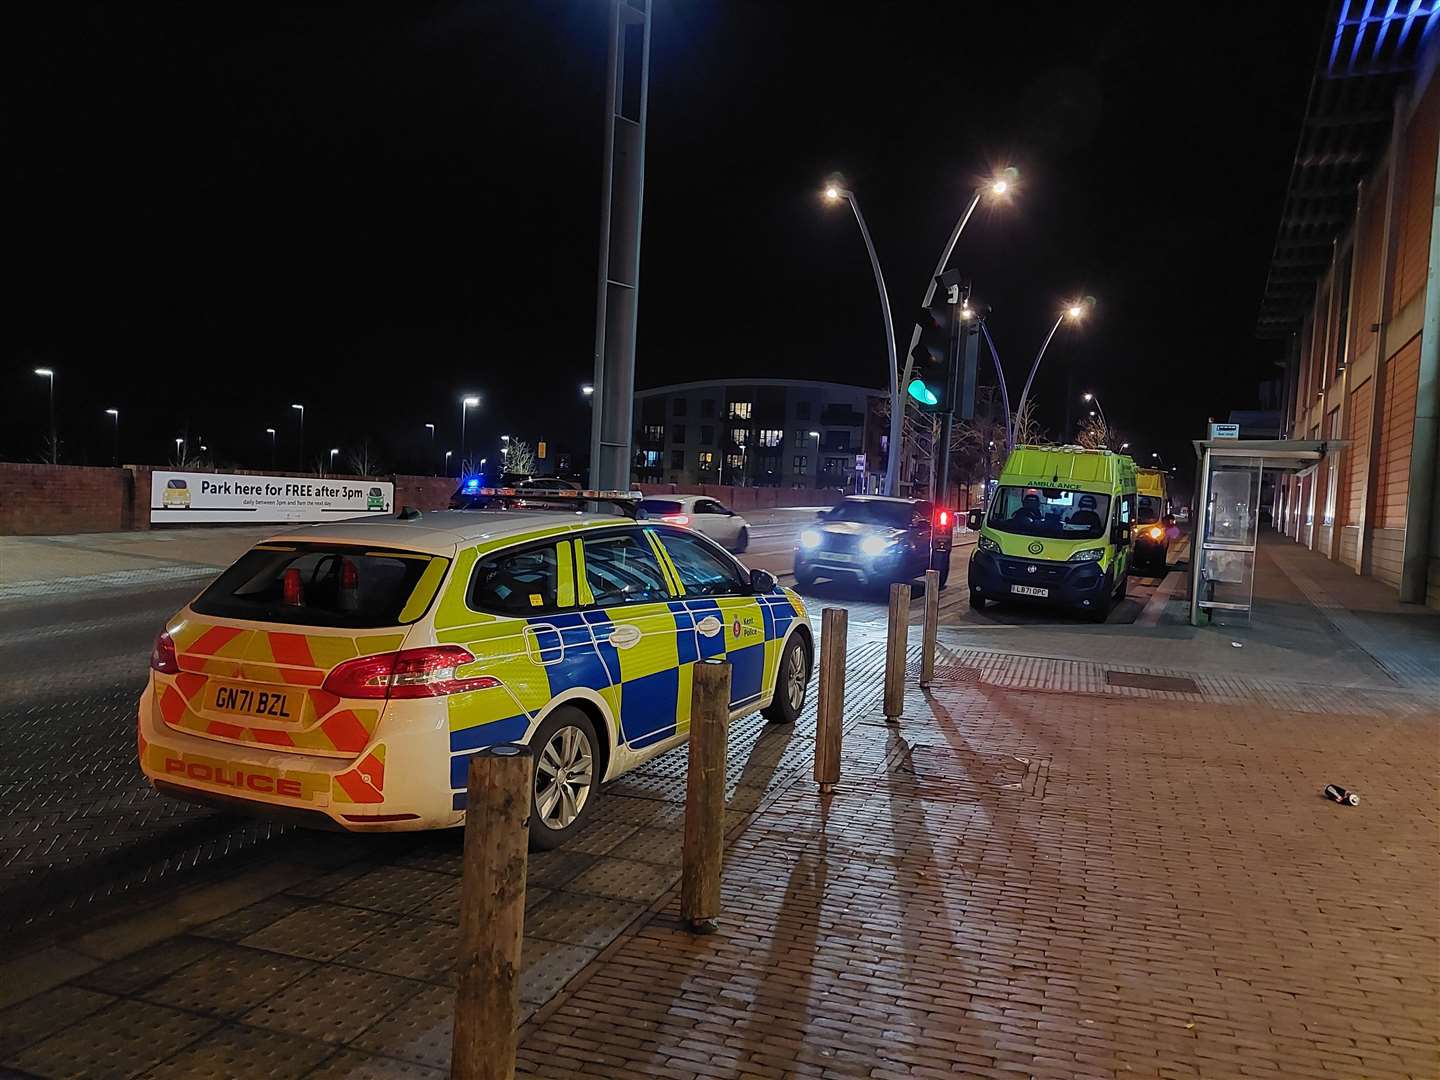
<point x="986" y="544"/>
<point x="810" y="538"/>
<point x="874" y="545"/>
<point x="1088" y="555"/>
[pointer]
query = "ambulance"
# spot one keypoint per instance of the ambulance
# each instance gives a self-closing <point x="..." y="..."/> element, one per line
<point x="1154" y="520"/>
<point x="1056" y="531"/>
<point x="342" y="675"/>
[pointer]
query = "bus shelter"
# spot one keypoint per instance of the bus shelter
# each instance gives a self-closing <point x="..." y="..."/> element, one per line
<point x="1226" y="517"/>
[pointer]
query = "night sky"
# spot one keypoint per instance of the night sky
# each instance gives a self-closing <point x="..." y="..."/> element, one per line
<point x="217" y="210"/>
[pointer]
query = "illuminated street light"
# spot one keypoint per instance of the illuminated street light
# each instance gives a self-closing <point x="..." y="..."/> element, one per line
<point x="271" y="432"/>
<point x="467" y="401"/>
<point x="999" y="185"/>
<point x="300" y="453"/>
<point x="587" y="389"/>
<point x="115" y="454"/>
<point x="1074" y="310"/>
<point x="447" y="461"/>
<point x="49" y="373"/>
<point x="897" y="404"/>
<point x="431" y="429"/>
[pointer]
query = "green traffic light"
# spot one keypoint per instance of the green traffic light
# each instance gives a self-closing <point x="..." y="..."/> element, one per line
<point x="922" y="393"/>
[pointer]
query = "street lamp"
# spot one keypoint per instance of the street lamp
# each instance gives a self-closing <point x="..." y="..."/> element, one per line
<point x="179" y="452"/>
<point x="1124" y="446"/>
<point x="333" y="451"/>
<point x="587" y="389"/>
<point x="432" y="446"/>
<point x="1093" y="399"/>
<point x="300" y="455"/>
<point x="115" y="454"/>
<point x="447" y="461"/>
<point x="467" y="402"/>
<point x="999" y="185"/>
<point x="816" y="436"/>
<point x="897" y="404"/>
<point x="1074" y="311"/>
<point x="271" y="432"/>
<point x="49" y="373"/>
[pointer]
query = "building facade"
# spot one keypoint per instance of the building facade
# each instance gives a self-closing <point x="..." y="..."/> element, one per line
<point x="759" y="433"/>
<point x="1354" y="289"/>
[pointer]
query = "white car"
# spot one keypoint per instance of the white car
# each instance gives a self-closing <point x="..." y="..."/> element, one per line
<point x="704" y="515"/>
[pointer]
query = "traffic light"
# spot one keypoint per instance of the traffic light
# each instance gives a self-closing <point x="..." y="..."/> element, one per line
<point x="933" y="358"/>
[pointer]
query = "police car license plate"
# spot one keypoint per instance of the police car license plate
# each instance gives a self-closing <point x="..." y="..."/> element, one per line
<point x="1029" y="590"/>
<point x="252" y="701"/>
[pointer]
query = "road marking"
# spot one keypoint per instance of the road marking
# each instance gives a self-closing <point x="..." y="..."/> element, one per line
<point x="1155" y="608"/>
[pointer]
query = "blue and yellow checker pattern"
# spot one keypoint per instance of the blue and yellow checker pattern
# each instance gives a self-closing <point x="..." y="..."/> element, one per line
<point x="636" y="658"/>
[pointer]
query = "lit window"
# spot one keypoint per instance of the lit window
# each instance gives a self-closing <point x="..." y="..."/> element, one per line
<point x="707" y="460"/>
<point x="771" y="437"/>
<point x="740" y="436"/>
<point x="740" y="410"/>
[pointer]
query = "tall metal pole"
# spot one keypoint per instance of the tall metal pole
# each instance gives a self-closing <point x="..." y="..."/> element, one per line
<point x="463" y="410"/>
<point x="897" y="403"/>
<point x="1034" y="367"/>
<point x="623" y="190"/>
<point x="1004" y="390"/>
<point x="897" y="415"/>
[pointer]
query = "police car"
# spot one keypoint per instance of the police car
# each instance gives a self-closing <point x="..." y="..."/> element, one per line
<point x="342" y="675"/>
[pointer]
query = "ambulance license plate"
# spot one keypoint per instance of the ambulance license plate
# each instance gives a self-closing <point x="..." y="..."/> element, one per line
<point x="253" y="701"/>
<point x="1029" y="590"/>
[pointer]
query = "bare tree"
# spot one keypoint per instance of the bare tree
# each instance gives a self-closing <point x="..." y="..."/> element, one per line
<point x="363" y="462"/>
<point x="1095" y="434"/>
<point x="520" y="459"/>
<point x="1027" y="431"/>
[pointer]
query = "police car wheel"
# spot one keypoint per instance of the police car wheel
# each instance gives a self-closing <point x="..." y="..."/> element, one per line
<point x="792" y="679"/>
<point x="566" y="778"/>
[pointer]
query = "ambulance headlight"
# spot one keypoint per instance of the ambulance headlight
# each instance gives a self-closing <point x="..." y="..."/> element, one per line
<point x="986" y="544"/>
<point x="1088" y="555"/>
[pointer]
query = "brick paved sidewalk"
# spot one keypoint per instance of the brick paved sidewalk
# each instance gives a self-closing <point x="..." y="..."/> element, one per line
<point x="1049" y="885"/>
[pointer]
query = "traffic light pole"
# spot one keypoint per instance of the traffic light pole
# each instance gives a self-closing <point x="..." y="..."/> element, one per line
<point x="964" y="358"/>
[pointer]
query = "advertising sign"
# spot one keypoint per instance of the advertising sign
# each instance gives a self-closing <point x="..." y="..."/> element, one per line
<point x="1224" y="431"/>
<point x="187" y="497"/>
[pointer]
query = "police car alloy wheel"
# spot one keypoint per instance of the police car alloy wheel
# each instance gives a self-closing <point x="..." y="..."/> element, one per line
<point x="792" y="679"/>
<point x="566" y="776"/>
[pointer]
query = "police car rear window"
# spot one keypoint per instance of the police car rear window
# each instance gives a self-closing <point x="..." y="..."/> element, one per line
<point x="325" y="585"/>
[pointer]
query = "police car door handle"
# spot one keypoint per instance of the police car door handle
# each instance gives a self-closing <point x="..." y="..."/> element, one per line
<point x="624" y="636"/>
<point x="544" y="655"/>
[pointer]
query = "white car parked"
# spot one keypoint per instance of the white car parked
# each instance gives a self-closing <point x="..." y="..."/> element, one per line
<point x="704" y="515"/>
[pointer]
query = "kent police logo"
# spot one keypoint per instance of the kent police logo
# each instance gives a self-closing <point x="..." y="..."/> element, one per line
<point x="735" y="626"/>
<point x="1036" y="547"/>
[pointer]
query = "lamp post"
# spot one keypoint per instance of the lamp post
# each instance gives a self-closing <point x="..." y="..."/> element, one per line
<point x="1095" y="400"/>
<point x="467" y="402"/>
<point x="897" y="404"/>
<point x="49" y="373"/>
<point x="447" y="461"/>
<point x="300" y="454"/>
<point x="589" y="391"/>
<point x="180" y="451"/>
<point x="271" y="432"/>
<point x="816" y="436"/>
<point x="1075" y="311"/>
<point x="114" y="414"/>
<point x="431" y="427"/>
<point x="1000" y="186"/>
<point x="333" y="451"/>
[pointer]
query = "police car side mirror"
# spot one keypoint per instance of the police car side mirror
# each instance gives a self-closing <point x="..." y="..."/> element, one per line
<point x="975" y="519"/>
<point x="762" y="581"/>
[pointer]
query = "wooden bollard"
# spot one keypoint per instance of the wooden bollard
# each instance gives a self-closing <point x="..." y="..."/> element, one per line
<point x="932" y="627"/>
<point x="704" y="850"/>
<point x="830" y="711"/>
<point x="492" y="913"/>
<point x="897" y="635"/>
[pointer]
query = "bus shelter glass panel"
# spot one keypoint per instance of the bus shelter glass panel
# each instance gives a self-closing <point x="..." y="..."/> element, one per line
<point x="1230" y="527"/>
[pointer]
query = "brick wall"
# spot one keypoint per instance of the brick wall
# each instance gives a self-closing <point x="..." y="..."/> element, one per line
<point x="43" y="500"/>
<point x="37" y="500"/>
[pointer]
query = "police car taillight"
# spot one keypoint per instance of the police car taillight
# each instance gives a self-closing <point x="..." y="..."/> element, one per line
<point x="162" y="656"/>
<point x="409" y="673"/>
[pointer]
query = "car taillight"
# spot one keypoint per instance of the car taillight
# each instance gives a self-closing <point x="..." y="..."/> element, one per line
<point x="409" y="673"/>
<point x="676" y="519"/>
<point x="294" y="591"/>
<point x="162" y="656"/>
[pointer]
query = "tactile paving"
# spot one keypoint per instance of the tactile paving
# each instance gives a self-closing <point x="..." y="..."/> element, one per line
<point x="353" y="1065"/>
<point x="412" y="948"/>
<point x="624" y="879"/>
<point x="546" y="966"/>
<point x="121" y="1040"/>
<point x="149" y="966"/>
<point x="333" y="1003"/>
<point x="554" y="869"/>
<point x="419" y="1029"/>
<point x="659" y="846"/>
<point x="391" y="888"/>
<point x="234" y="1051"/>
<point x="230" y="981"/>
<point x="55" y="1010"/>
<point x="247" y="920"/>
<point x="598" y="837"/>
<point x="320" y="931"/>
<point x="589" y="921"/>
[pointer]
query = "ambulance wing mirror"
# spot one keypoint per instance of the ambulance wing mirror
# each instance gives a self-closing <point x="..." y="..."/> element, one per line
<point x="1120" y="534"/>
<point x="975" y="519"/>
<point x="762" y="581"/>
